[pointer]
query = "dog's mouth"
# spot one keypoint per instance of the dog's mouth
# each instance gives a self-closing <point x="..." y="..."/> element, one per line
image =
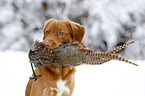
<point x="47" y="44"/>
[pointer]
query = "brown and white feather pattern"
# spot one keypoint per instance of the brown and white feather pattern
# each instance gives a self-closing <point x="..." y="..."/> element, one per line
<point x="72" y="54"/>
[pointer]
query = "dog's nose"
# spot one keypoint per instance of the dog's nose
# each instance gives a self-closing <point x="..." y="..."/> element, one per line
<point x="47" y="44"/>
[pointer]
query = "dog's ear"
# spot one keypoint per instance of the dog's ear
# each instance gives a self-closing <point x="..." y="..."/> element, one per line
<point x="46" y="24"/>
<point x="77" y="31"/>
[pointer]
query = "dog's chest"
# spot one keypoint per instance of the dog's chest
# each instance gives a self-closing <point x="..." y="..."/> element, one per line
<point x="60" y="89"/>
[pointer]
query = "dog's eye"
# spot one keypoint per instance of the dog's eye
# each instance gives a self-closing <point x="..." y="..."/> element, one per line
<point x="46" y="32"/>
<point x="60" y="33"/>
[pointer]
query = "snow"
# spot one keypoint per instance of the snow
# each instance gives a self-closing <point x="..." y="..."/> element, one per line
<point x="15" y="72"/>
<point x="114" y="78"/>
<point x="111" y="79"/>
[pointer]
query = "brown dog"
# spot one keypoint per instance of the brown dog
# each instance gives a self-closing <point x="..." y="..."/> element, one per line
<point x="56" y="80"/>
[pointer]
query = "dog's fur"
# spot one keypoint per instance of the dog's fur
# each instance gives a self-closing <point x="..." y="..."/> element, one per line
<point x="56" y="80"/>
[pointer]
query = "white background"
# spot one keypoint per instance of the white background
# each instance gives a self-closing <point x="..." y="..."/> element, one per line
<point x="114" y="78"/>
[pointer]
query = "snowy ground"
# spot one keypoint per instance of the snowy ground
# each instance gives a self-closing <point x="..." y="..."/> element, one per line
<point x="110" y="79"/>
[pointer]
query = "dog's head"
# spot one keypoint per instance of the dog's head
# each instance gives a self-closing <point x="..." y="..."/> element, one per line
<point x="60" y="32"/>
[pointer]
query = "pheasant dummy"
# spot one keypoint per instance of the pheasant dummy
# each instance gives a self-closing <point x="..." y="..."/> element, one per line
<point x="72" y="54"/>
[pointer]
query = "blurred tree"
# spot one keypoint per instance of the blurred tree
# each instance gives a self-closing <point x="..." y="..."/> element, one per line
<point x="108" y="22"/>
